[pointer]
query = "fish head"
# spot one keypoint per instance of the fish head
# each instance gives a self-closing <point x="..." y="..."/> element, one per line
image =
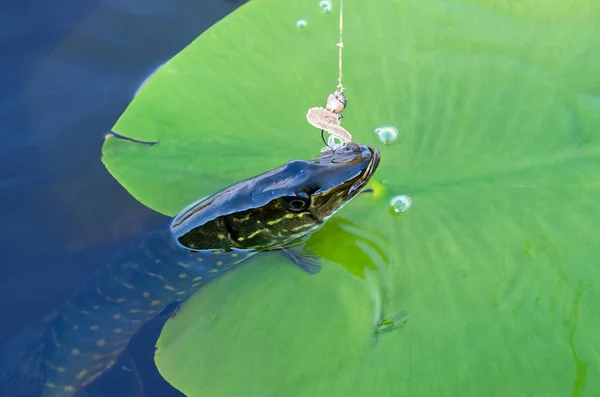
<point x="280" y="206"/>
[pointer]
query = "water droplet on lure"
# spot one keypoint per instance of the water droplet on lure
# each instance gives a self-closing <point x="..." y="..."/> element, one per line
<point x="387" y="134"/>
<point x="400" y="204"/>
<point x="301" y="23"/>
<point x="325" y="5"/>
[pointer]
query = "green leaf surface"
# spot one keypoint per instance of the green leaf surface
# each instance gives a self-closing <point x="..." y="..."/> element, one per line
<point x="496" y="263"/>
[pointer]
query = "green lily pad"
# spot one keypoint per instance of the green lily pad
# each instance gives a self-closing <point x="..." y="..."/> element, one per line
<point x="218" y="117"/>
<point x="487" y="285"/>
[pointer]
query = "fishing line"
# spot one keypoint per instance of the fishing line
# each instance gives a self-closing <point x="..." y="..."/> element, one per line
<point x="328" y="118"/>
<point x="340" y="44"/>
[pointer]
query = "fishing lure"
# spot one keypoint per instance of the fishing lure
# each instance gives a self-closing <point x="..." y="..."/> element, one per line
<point x="328" y="119"/>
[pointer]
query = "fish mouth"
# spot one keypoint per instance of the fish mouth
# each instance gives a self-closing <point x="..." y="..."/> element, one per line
<point x="367" y="173"/>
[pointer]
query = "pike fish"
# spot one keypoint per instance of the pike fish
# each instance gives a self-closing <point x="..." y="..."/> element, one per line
<point x="275" y="211"/>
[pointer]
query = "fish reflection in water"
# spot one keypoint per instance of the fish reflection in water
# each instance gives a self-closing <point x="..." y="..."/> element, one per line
<point x="87" y="334"/>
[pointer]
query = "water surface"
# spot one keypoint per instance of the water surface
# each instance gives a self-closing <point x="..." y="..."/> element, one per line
<point x="68" y="71"/>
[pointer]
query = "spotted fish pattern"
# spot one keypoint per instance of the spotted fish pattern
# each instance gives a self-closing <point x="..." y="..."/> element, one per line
<point x="274" y="211"/>
<point x="90" y="330"/>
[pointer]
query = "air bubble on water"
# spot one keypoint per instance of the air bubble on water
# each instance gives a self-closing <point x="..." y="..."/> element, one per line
<point x="325" y="5"/>
<point x="387" y="134"/>
<point x="301" y="23"/>
<point x="400" y="204"/>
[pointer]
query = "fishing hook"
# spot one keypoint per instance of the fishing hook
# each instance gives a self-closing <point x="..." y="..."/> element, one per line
<point x="324" y="141"/>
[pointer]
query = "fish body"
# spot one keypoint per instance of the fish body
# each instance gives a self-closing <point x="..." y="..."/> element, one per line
<point x="84" y="337"/>
<point x="274" y="211"/>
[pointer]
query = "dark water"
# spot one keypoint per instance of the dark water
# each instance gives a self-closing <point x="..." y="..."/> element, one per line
<point x="67" y="71"/>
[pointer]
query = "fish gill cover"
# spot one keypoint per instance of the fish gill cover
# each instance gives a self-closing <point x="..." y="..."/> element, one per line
<point x="495" y="263"/>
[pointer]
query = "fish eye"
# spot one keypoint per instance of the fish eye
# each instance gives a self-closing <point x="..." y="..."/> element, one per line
<point x="296" y="203"/>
